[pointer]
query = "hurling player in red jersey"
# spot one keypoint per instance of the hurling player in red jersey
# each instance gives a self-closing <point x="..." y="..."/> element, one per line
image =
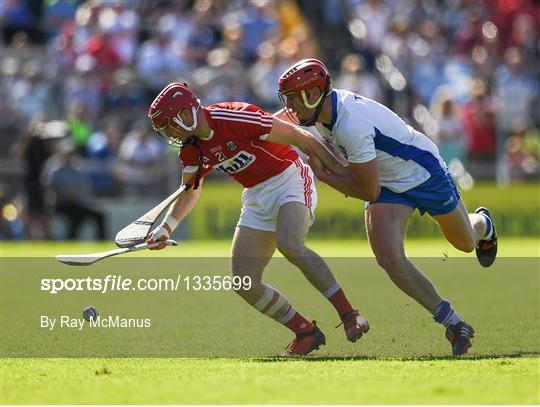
<point x="278" y="202"/>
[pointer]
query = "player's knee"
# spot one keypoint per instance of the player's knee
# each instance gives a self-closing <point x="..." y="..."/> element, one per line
<point x="464" y="242"/>
<point x="465" y="245"/>
<point x="291" y="248"/>
<point x="391" y="263"/>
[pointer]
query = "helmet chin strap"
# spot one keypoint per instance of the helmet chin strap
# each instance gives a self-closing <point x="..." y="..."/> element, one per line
<point x="179" y="121"/>
<point x="192" y="140"/>
<point x="306" y="103"/>
<point x="318" y="103"/>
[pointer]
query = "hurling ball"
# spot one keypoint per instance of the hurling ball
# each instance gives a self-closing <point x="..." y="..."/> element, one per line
<point x="90" y="313"/>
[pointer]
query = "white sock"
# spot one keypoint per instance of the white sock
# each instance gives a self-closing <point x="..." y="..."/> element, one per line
<point x="453" y="319"/>
<point x="444" y="314"/>
<point x="489" y="227"/>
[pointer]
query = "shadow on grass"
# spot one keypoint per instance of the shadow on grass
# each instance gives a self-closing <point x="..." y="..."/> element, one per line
<point x="314" y="358"/>
<point x="427" y="358"/>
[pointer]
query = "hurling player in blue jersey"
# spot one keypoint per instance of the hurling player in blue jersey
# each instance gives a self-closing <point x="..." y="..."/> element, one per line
<point x="396" y="170"/>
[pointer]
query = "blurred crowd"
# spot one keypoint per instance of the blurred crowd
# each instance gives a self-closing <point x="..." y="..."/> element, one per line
<point x="76" y="79"/>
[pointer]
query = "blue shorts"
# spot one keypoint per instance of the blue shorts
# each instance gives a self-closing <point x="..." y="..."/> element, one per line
<point x="437" y="196"/>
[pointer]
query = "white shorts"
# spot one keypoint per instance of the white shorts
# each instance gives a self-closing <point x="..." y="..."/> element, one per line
<point x="260" y="204"/>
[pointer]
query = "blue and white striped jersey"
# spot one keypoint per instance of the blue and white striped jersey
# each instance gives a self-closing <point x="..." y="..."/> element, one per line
<point x="363" y="129"/>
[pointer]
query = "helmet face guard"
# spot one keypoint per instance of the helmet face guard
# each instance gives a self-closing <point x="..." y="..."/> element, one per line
<point x="165" y="111"/>
<point x="317" y="105"/>
<point x="172" y="141"/>
<point x="290" y="113"/>
<point x="178" y="120"/>
<point x="297" y="81"/>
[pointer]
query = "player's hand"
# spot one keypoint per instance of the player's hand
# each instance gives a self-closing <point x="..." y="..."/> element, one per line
<point x="315" y="163"/>
<point x="160" y="233"/>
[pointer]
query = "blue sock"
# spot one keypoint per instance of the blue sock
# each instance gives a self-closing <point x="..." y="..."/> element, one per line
<point x="444" y="314"/>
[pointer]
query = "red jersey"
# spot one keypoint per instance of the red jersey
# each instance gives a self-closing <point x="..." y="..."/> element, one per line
<point x="237" y="146"/>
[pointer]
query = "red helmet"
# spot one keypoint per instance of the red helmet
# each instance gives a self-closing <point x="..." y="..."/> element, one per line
<point x="166" y="108"/>
<point x="299" y="79"/>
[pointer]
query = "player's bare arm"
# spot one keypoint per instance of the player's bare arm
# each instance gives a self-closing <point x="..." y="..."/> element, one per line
<point x="358" y="180"/>
<point x="177" y="212"/>
<point x="286" y="133"/>
<point x="185" y="204"/>
<point x="282" y="115"/>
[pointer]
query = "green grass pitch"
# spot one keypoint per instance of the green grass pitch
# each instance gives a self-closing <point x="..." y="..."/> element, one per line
<point x="404" y="358"/>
